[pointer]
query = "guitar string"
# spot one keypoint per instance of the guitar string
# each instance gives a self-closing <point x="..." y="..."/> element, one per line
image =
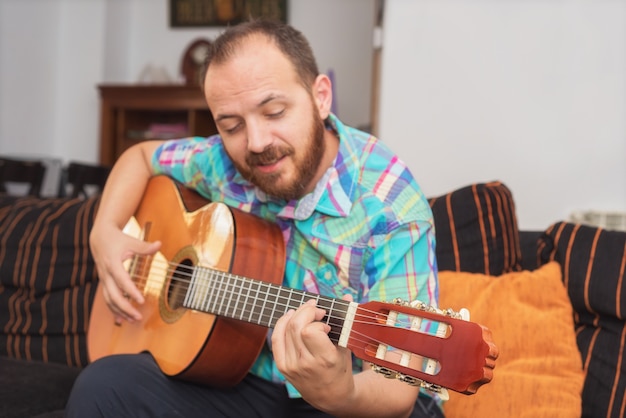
<point x="172" y="267"/>
<point x="261" y="293"/>
<point x="355" y="335"/>
<point x="361" y="315"/>
<point x="145" y="280"/>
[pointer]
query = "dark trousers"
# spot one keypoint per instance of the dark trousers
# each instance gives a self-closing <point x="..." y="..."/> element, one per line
<point x="133" y="386"/>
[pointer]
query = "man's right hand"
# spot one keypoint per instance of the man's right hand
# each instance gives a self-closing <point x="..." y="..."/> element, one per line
<point x="110" y="248"/>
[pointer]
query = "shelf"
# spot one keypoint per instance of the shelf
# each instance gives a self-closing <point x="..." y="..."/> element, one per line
<point x="131" y="114"/>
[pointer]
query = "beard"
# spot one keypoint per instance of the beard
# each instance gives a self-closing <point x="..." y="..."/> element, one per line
<point x="306" y="163"/>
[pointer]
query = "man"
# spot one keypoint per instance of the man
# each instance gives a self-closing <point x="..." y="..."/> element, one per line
<point x="356" y="226"/>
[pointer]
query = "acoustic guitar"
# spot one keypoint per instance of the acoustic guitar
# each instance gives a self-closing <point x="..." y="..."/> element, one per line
<point x="214" y="288"/>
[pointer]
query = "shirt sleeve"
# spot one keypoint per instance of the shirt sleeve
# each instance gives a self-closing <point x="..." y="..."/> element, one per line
<point x="198" y="163"/>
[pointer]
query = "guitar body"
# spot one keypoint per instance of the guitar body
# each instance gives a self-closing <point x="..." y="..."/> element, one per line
<point x="188" y="344"/>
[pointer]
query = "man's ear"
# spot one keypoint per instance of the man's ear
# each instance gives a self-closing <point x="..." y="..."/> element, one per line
<point x="323" y="95"/>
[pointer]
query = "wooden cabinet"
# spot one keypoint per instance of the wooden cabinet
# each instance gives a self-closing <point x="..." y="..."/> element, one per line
<point x="135" y="113"/>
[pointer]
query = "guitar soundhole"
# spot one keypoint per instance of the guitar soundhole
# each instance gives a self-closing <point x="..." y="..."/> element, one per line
<point x="179" y="284"/>
<point x="172" y="298"/>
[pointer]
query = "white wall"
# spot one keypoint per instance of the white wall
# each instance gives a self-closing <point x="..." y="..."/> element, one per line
<point x="529" y="92"/>
<point x="532" y="93"/>
<point x="53" y="54"/>
<point x="50" y="56"/>
<point x="340" y="33"/>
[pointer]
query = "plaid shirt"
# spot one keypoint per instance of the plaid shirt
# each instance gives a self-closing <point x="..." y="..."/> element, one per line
<point x="366" y="230"/>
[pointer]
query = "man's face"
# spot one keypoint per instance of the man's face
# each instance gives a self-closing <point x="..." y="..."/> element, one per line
<point x="270" y="124"/>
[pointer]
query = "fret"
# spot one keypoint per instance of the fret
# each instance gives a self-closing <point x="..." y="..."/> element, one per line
<point x="328" y="304"/>
<point x="215" y="291"/>
<point x="239" y="297"/>
<point x="229" y="292"/>
<point x="219" y="298"/>
<point x="288" y="301"/>
<point x="257" y="307"/>
<point x="192" y="293"/>
<point x="230" y="289"/>
<point x="249" y="302"/>
<point x="216" y="298"/>
<point x="331" y="311"/>
<point x="254" y="286"/>
<point x="210" y="293"/>
<point x="199" y="280"/>
<point x="262" y="308"/>
<point x="190" y="290"/>
<point x="202" y="287"/>
<point x="271" y="315"/>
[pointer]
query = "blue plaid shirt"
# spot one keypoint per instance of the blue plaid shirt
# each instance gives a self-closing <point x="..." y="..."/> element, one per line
<point x="366" y="230"/>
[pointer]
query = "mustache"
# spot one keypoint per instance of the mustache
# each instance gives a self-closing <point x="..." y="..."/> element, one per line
<point x="268" y="156"/>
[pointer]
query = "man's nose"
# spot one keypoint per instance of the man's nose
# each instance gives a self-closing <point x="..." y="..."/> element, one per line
<point x="258" y="137"/>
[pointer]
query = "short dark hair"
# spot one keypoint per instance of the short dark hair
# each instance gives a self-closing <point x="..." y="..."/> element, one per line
<point x="289" y="41"/>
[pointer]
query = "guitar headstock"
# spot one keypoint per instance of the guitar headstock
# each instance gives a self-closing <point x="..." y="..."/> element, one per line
<point x="423" y="346"/>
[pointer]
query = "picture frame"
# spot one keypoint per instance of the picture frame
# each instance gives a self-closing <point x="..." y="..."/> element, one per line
<point x="215" y="13"/>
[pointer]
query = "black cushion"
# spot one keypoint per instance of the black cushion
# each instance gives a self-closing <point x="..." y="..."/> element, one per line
<point x="476" y="230"/>
<point x="529" y="240"/>
<point x="593" y="261"/>
<point x="47" y="278"/>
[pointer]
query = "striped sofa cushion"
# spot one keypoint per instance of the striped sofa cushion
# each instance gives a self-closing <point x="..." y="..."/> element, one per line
<point x="476" y="229"/>
<point x="47" y="278"/>
<point x="593" y="261"/>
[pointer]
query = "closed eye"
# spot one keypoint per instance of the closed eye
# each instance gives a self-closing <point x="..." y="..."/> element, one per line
<point x="233" y="129"/>
<point x="276" y="115"/>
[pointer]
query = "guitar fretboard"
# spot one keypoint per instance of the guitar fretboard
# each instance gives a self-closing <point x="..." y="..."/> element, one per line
<point x="256" y="302"/>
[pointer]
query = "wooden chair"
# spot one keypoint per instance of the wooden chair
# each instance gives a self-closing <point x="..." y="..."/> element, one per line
<point x="27" y="173"/>
<point x="84" y="180"/>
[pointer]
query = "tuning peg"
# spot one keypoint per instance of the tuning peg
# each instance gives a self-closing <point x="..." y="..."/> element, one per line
<point x="465" y="314"/>
<point x="388" y="373"/>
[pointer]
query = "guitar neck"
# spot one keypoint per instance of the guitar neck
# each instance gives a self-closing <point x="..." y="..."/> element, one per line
<point x="224" y="294"/>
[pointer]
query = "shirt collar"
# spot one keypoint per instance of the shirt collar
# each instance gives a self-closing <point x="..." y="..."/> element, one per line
<point x="334" y="192"/>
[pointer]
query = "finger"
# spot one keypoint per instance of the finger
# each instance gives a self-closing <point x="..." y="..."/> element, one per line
<point x="126" y="283"/>
<point x="305" y="315"/>
<point x="144" y="247"/>
<point x="118" y="314"/>
<point x="119" y="297"/>
<point x="289" y="350"/>
<point x="122" y="306"/>
<point x="314" y="338"/>
<point x="278" y="338"/>
<point x="294" y="327"/>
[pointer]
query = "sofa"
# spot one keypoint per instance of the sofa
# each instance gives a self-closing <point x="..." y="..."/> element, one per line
<point x="554" y="300"/>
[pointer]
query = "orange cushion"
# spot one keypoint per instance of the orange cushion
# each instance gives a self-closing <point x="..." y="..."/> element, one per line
<point x="539" y="370"/>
